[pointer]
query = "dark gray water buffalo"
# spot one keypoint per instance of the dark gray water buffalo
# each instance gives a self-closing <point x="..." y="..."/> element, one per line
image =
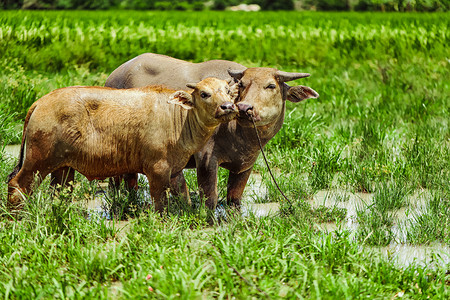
<point x="233" y="146"/>
<point x="103" y="132"/>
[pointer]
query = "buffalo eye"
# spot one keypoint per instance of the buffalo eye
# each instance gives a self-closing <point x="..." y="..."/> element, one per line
<point x="271" y="86"/>
<point x="204" y="95"/>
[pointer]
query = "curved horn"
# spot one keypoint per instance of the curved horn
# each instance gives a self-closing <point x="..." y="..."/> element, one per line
<point x="191" y="85"/>
<point x="236" y="74"/>
<point x="286" y="76"/>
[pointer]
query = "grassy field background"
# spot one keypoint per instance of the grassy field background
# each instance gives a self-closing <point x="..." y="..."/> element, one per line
<point x="380" y="126"/>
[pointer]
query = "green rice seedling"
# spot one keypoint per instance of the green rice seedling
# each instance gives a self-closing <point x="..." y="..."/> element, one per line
<point x="375" y="226"/>
<point x="290" y="185"/>
<point x="432" y="223"/>
<point x="360" y="177"/>
<point x="62" y="212"/>
<point x="121" y="204"/>
<point x="323" y="214"/>
<point x="18" y="100"/>
<point x="299" y="129"/>
<point x="428" y="162"/>
<point x="391" y="195"/>
<point x="372" y="136"/>
<point x="326" y="162"/>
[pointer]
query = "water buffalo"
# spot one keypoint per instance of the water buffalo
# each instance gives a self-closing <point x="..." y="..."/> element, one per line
<point x="103" y="132"/>
<point x="233" y="146"/>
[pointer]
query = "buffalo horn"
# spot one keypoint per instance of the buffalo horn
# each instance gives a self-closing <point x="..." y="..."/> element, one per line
<point x="286" y="76"/>
<point x="236" y="74"/>
<point x="191" y="85"/>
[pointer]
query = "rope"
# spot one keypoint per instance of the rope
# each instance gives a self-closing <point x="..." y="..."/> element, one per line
<point x="267" y="163"/>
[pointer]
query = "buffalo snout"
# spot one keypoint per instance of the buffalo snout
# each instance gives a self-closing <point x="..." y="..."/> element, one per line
<point x="227" y="111"/>
<point x="246" y="111"/>
<point x="228" y="107"/>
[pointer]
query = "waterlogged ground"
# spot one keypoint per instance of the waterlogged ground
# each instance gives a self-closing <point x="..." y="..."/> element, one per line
<point x="398" y="250"/>
<point x="347" y="203"/>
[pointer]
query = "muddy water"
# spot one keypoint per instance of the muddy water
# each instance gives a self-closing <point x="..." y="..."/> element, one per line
<point x="402" y="253"/>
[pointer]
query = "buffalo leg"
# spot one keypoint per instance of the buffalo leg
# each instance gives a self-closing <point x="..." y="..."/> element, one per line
<point x="235" y="187"/>
<point x="131" y="181"/>
<point x="207" y="183"/>
<point x="131" y="185"/>
<point x="22" y="185"/>
<point x="178" y="187"/>
<point x="159" y="181"/>
<point x="62" y="177"/>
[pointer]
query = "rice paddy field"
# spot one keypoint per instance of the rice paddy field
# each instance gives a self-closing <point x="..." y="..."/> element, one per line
<point x="366" y="165"/>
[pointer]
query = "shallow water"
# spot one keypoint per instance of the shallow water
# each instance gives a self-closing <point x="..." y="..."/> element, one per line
<point x="400" y="253"/>
<point x="424" y="255"/>
<point x="260" y="209"/>
<point x="12" y="151"/>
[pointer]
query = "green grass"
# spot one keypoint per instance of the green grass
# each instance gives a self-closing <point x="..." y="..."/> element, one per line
<point x="56" y="251"/>
<point x="380" y="126"/>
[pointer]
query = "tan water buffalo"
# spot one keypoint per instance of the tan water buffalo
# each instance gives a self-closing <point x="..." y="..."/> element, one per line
<point x="233" y="146"/>
<point x="103" y="132"/>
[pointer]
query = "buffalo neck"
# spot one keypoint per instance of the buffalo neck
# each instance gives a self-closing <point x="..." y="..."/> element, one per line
<point x="192" y="132"/>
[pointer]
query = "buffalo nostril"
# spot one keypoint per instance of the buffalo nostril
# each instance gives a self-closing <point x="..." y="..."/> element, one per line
<point x="245" y="108"/>
<point x="227" y="106"/>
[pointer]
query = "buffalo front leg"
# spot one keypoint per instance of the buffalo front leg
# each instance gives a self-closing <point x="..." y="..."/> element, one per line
<point x="235" y="187"/>
<point x="159" y="181"/>
<point x="207" y="182"/>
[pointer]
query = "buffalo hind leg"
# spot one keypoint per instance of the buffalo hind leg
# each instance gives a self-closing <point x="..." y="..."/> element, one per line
<point x="235" y="187"/>
<point x="207" y="183"/>
<point x="21" y="186"/>
<point x="179" y="188"/>
<point x="131" y="181"/>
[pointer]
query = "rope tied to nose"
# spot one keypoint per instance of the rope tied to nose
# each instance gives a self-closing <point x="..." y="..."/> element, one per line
<point x="265" y="160"/>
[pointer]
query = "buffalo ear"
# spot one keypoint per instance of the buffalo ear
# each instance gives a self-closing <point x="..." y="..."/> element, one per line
<point x="300" y="92"/>
<point x="182" y="98"/>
